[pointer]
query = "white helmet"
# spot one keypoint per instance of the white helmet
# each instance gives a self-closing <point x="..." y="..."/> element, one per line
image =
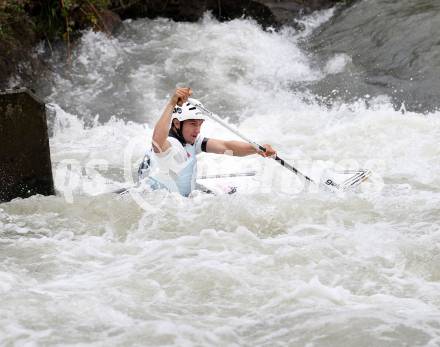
<point x="188" y="111"/>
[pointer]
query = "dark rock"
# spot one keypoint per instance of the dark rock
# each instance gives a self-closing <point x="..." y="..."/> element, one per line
<point x="268" y="13"/>
<point x="103" y="20"/>
<point x="17" y="48"/>
<point x="25" y="166"/>
<point x="230" y="9"/>
<point x="190" y="10"/>
<point x="193" y="10"/>
<point x="287" y="11"/>
<point x="300" y="7"/>
<point x="271" y="13"/>
<point x="109" y="21"/>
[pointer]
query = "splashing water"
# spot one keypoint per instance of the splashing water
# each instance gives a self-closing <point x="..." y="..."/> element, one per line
<point x="263" y="267"/>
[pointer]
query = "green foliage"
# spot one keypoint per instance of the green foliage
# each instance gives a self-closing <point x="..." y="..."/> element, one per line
<point x="11" y="12"/>
<point x="52" y="18"/>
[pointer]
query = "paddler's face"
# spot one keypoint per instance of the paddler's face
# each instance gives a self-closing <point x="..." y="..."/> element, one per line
<point x="191" y="129"/>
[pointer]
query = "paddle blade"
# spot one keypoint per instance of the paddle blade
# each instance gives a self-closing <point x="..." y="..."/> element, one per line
<point x="344" y="180"/>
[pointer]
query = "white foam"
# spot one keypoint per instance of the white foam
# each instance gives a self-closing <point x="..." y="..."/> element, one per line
<point x="261" y="268"/>
<point x="337" y="64"/>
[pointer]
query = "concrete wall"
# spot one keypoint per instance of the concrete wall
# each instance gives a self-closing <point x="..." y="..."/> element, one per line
<point x="25" y="166"/>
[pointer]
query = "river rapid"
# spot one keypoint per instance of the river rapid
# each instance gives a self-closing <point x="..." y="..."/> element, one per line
<point x="274" y="264"/>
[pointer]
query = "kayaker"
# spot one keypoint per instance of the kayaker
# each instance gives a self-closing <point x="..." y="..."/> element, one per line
<point x="171" y="163"/>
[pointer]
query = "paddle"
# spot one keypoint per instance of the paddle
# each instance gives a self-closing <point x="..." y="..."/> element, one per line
<point x="228" y="175"/>
<point x="356" y="177"/>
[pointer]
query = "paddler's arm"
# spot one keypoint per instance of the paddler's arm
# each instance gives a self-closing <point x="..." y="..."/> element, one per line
<point x="236" y="148"/>
<point x="162" y="127"/>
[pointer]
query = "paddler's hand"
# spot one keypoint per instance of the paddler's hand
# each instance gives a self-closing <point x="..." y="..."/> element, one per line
<point x="180" y="96"/>
<point x="270" y="152"/>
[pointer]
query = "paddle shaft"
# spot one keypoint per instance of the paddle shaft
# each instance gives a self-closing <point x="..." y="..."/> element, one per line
<point x="257" y="146"/>
<point x="240" y="174"/>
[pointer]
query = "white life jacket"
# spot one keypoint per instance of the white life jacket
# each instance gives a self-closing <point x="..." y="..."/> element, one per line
<point x="175" y="169"/>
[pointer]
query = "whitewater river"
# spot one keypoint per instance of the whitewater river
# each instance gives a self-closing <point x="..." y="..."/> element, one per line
<point x="273" y="265"/>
